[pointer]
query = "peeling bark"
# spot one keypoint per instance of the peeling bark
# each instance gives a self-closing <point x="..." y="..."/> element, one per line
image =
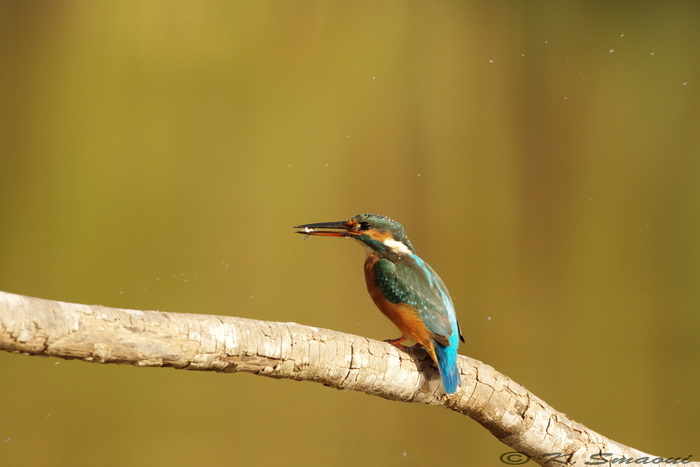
<point x="226" y="344"/>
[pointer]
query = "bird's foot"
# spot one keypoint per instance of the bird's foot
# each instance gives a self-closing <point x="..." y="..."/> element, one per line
<point x="397" y="342"/>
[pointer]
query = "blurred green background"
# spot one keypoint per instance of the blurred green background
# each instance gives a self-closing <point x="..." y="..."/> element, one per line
<point x="543" y="156"/>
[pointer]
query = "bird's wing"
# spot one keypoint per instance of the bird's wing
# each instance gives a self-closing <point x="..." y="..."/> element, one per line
<point x="413" y="282"/>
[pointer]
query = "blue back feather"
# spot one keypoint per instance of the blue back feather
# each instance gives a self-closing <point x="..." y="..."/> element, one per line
<point x="412" y="281"/>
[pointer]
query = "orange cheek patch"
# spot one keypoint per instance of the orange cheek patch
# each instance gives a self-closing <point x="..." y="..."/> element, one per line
<point x="378" y="235"/>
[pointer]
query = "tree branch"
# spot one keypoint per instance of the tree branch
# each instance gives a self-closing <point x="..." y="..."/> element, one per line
<point x="99" y="334"/>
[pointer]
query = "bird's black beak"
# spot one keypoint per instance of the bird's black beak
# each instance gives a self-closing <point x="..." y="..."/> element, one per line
<point x="313" y="229"/>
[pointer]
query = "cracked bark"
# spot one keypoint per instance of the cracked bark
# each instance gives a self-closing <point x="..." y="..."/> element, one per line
<point x="226" y="344"/>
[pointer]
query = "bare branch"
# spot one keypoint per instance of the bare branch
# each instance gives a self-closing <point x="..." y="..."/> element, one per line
<point x="99" y="334"/>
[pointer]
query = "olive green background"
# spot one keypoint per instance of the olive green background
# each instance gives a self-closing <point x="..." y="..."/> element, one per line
<point x="543" y="156"/>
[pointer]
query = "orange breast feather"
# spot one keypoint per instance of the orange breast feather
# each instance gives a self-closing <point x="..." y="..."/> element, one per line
<point x="404" y="316"/>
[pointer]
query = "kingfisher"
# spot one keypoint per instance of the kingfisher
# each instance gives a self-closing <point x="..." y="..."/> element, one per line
<point x="405" y="288"/>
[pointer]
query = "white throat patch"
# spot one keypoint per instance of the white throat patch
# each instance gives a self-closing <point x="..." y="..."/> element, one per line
<point x="397" y="247"/>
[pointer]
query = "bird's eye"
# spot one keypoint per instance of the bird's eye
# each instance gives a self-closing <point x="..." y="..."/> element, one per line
<point x="364" y="226"/>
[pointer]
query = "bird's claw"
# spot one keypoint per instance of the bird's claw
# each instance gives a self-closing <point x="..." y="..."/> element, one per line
<point x="397" y="343"/>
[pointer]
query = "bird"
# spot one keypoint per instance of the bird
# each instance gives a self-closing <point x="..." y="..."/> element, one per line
<point x="404" y="288"/>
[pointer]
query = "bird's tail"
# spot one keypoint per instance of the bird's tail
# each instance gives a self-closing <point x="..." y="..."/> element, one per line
<point x="447" y="364"/>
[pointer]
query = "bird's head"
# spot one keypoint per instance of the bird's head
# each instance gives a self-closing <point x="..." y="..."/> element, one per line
<point x="378" y="233"/>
